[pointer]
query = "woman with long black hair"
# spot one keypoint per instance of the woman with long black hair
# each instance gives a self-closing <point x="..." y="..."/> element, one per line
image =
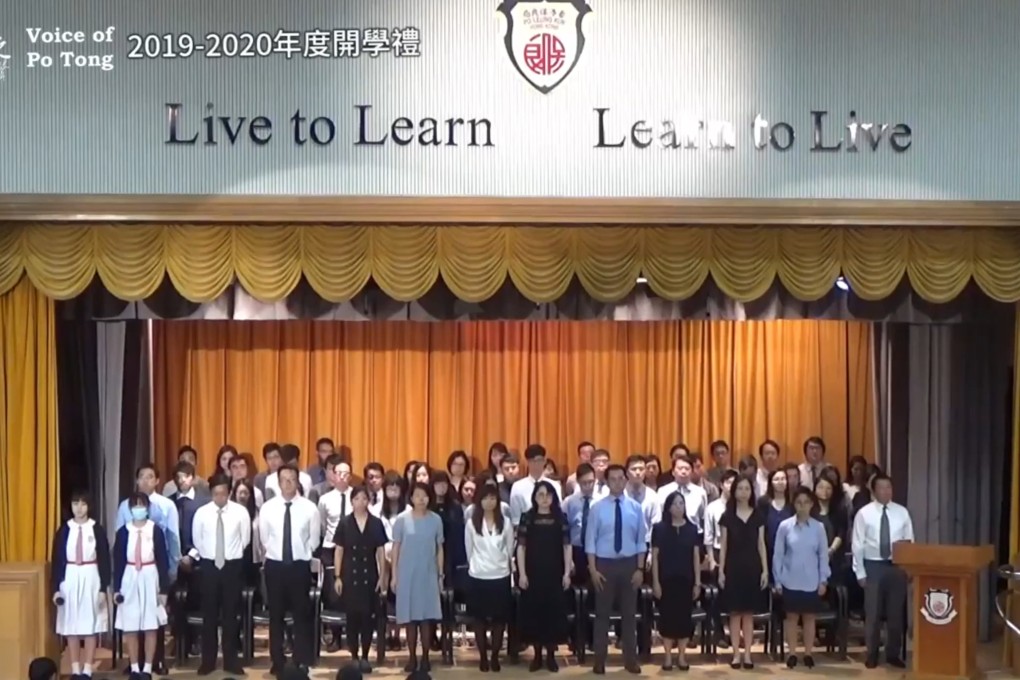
<point x="544" y="559"/>
<point x="448" y="506"/>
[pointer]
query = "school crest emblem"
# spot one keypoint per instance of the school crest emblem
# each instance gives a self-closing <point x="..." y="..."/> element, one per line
<point x="938" y="608"/>
<point x="544" y="39"/>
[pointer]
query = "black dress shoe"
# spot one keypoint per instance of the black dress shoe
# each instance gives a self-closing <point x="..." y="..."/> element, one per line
<point x="684" y="667"/>
<point x="205" y="670"/>
<point x="809" y="661"/>
<point x="791" y="661"/>
<point x="535" y="665"/>
<point x="234" y="669"/>
<point x="160" y="669"/>
<point x="364" y="666"/>
<point x="633" y="669"/>
<point x="736" y="665"/>
<point x="599" y="669"/>
<point x="494" y="664"/>
<point x="896" y="663"/>
<point x="871" y="662"/>
<point x="747" y="665"/>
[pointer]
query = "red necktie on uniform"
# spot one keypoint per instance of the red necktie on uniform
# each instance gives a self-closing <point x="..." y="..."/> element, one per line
<point x="138" y="550"/>
<point x="79" y="550"/>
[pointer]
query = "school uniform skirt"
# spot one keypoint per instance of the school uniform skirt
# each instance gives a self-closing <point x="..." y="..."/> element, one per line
<point x="489" y="599"/>
<point x="140" y="608"/>
<point x="84" y="611"/>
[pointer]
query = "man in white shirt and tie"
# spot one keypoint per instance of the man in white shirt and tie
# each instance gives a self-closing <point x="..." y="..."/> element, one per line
<point x="695" y="497"/>
<point x="520" y="492"/>
<point x="290" y="454"/>
<point x="814" y="461"/>
<point x="220" y="532"/>
<point x="878" y="526"/>
<point x="290" y="528"/>
<point x="334" y="505"/>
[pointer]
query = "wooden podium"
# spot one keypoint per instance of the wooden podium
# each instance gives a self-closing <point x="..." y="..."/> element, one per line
<point x="27" y="610"/>
<point x="945" y="606"/>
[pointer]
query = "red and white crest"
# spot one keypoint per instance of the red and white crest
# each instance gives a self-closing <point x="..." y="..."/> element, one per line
<point x="544" y="39"/>
<point x="938" y="607"/>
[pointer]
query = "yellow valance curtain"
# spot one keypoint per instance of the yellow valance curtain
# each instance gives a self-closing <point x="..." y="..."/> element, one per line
<point x="202" y="261"/>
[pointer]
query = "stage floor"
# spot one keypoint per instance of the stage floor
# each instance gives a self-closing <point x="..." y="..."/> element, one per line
<point x="464" y="668"/>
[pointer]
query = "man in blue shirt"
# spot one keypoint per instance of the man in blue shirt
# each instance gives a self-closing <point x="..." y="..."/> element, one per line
<point x="577" y="509"/>
<point x="163" y="513"/>
<point x="616" y="547"/>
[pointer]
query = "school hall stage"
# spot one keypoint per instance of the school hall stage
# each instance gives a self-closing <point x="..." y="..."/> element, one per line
<point x="465" y="667"/>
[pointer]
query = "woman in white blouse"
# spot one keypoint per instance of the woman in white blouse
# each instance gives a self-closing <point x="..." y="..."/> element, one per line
<point x="489" y="540"/>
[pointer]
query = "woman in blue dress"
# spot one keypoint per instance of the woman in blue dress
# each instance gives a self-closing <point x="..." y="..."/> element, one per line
<point x="417" y="577"/>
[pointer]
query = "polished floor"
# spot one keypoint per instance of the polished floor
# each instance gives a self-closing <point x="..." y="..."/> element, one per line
<point x="464" y="668"/>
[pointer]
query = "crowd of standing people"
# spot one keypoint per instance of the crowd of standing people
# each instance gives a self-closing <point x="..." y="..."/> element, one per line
<point x="749" y="529"/>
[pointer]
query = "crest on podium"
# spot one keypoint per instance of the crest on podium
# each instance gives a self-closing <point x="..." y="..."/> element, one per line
<point x="938" y="608"/>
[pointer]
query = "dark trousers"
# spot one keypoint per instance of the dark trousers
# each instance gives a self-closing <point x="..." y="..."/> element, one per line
<point x="360" y="627"/>
<point x="885" y="595"/>
<point x="287" y="588"/>
<point x="221" y="601"/>
<point x="618" y="591"/>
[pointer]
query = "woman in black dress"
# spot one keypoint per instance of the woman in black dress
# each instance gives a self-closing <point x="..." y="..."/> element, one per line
<point x="676" y="577"/>
<point x="743" y="567"/>
<point x="361" y="580"/>
<point x="544" y="559"/>
<point x="451" y="511"/>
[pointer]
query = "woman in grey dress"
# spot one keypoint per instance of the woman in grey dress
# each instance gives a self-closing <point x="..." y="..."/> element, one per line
<point x="418" y="573"/>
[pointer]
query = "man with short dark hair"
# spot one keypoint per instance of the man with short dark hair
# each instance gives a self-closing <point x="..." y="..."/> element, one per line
<point x="290" y="455"/>
<point x="509" y="468"/>
<point x="585" y="450"/>
<point x="221" y="532"/>
<point x="374" y="474"/>
<point x="616" y="547"/>
<point x="273" y="459"/>
<point x="289" y="527"/>
<point x="814" y="461"/>
<point x="721" y="462"/>
<point x="577" y="511"/>
<point x="324" y="448"/>
<point x="695" y="498"/>
<point x="186" y="454"/>
<point x="520" y="493"/>
<point x="879" y="526"/>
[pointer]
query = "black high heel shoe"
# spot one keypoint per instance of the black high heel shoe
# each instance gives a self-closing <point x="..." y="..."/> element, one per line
<point x="791" y="661"/>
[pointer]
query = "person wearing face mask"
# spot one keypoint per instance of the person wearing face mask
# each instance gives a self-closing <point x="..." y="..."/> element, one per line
<point x="80" y="574"/>
<point x="164" y="513"/>
<point x="141" y="580"/>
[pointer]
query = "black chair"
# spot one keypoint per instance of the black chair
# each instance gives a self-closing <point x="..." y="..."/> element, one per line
<point x="328" y="615"/>
<point x="258" y="613"/>
<point x="186" y="618"/>
<point x="701" y="616"/>
<point x="643" y="619"/>
<point x="834" y="619"/>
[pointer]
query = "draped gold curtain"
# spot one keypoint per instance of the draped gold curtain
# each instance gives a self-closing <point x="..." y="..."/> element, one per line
<point x="397" y="391"/>
<point x="474" y="261"/>
<point x="29" y="474"/>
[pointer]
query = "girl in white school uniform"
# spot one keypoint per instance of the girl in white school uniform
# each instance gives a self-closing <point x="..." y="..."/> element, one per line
<point x="80" y="574"/>
<point x="140" y="583"/>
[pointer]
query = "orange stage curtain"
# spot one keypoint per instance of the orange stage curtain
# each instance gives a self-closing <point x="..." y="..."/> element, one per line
<point x="396" y="391"/>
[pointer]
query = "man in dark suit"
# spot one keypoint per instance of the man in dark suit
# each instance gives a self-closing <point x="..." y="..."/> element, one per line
<point x="188" y="498"/>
